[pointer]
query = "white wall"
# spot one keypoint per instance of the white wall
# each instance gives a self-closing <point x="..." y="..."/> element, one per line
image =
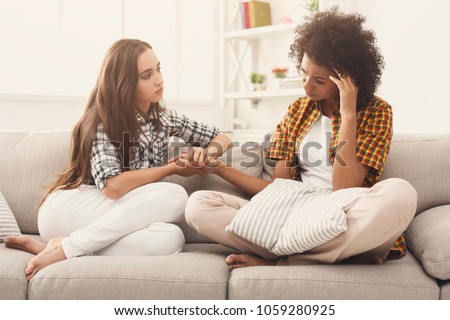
<point x="50" y="114"/>
<point x="52" y="54"/>
<point x="38" y="114"/>
<point x="412" y="36"/>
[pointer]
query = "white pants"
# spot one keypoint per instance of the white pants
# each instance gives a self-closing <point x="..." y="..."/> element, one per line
<point x="137" y="224"/>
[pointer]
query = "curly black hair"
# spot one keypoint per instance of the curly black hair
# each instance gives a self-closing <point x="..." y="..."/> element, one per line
<point x="339" y="42"/>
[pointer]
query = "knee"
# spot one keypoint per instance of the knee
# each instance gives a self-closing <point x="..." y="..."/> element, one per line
<point x="194" y="212"/>
<point x="170" y="238"/>
<point x="403" y="197"/>
<point x="177" y="192"/>
<point x="177" y="199"/>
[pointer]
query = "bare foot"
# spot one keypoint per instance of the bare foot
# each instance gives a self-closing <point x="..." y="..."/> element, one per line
<point x="363" y="260"/>
<point x="52" y="253"/>
<point x="245" y="260"/>
<point x="24" y="243"/>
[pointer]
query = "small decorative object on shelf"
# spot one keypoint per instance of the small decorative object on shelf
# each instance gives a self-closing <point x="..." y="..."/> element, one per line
<point x="284" y="80"/>
<point x="258" y="79"/>
<point x="311" y="5"/>
<point x="255" y="14"/>
<point x="280" y="72"/>
<point x="240" y="124"/>
<point x="289" y="83"/>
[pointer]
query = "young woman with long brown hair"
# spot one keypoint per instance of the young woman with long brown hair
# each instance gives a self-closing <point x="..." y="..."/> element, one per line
<point x="108" y="200"/>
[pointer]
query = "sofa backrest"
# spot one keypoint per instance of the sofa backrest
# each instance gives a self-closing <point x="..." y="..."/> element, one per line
<point x="423" y="161"/>
<point x="29" y="162"/>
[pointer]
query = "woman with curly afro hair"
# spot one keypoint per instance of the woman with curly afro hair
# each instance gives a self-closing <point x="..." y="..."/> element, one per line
<point x="335" y="140"/>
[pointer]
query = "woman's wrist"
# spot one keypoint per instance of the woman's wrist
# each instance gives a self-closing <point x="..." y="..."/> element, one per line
<point x="220" y="169"/>
<point x="348" y="116"/>
<point x="172" y="168"/>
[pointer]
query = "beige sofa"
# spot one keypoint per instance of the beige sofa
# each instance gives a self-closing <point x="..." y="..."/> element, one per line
<point x="29" y="161"/>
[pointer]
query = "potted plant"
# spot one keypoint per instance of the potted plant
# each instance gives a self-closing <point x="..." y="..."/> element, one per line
<point x="311" y="5"/>
<point x="280" y="72"/>
<point x="258" y="79"/>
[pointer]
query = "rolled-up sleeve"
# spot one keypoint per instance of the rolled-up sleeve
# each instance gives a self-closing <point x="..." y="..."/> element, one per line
<point x="191" y="131"/>
<point x="374" y="138"/>
<point x="105" y="159"/>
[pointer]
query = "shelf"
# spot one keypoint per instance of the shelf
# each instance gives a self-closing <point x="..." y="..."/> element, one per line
<point x="262" y="32"/>
<point x="265" y="94"/>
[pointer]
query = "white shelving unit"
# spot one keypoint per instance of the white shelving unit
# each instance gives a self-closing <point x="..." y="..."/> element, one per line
<point x="241" y="55"/>
<point x="261" y="32"/>
<point x="265" y="94"/>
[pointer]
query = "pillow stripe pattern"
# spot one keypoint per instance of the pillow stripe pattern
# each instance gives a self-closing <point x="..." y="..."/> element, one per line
<point x="261" y="220"/>
<point x="290" y="217"/>
<point x="272" y="223"/>
<point x="321" y="218"/>
<point x="8" y="223"/>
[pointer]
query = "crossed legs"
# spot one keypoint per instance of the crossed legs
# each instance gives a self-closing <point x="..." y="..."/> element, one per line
<point x="374" y="224"/>
<point x="209" y="212"/>
<point x="81" y="222"/>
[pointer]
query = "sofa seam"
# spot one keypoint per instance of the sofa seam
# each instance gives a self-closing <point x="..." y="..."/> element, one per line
<point x="21" y="279"/>
<point x="121" y="278"/>
<point x="444" y="259"/>
<point x="417" y="238"/>
<point x="347" y="282"/>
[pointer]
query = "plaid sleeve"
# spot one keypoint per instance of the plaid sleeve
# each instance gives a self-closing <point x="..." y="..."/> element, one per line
<point x="374" y="137"/>
<point x="374" y="141"/>
<point x="105" y="160"/>
<point x="398" y="250"/>
<point x="282" y="145"/>
<point x="192" y="132"/>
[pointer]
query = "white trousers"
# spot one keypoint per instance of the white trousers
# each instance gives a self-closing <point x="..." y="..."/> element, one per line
<point x="138" y="224"/>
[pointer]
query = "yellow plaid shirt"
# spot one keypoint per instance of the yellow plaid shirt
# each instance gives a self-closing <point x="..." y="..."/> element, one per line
<point x="374" y="135"/>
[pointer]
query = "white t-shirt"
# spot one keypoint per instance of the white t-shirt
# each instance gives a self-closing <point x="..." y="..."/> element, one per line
<point x="314" y="154"/>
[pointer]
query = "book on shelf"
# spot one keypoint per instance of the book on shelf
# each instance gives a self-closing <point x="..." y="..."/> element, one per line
<point x="255" y="14"/>
<point x="288" y="83"/>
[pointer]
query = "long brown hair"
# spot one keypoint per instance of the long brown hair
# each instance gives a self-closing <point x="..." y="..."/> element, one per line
<point x="112" y="103"/>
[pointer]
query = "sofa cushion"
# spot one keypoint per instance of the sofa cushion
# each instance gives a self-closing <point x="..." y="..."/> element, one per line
<point x="200" y="272"/>
<point x="423" y="161"/>
<point x="29" y="162"/>
<point x="428" y="236"/>
<point x="290" y="217"/>
<point x="397" y="279"/>
<point x="13" y="283"/>
<point x="8" y="224"/>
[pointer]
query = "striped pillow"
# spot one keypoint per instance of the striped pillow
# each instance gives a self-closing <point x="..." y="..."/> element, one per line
<point x="8" y="224"/>
<point x="290" y="217"/>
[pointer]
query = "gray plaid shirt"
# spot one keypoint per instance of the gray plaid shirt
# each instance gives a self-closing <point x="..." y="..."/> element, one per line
<point x="152" y="148"/>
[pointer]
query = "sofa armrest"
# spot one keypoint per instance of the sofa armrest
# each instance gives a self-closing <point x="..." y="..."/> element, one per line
<point x="428" y="237"/>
